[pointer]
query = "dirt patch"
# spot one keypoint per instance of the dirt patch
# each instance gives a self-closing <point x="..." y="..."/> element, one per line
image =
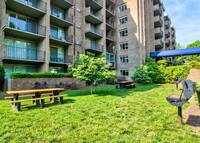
<point x="192" y="115"/>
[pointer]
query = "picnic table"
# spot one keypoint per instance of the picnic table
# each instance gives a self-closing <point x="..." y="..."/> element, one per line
<point x="126" y="84"/>
<point x="35" y="93"/>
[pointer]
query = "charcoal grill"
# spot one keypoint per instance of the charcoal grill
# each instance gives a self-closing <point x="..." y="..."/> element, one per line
<point x="179" y="99"/>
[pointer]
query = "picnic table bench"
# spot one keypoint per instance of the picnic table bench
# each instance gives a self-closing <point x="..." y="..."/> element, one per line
<point x="125" y="84"/>
<point x="36" y="96"/>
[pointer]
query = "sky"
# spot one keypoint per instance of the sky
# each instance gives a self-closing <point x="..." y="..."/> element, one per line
<point x="185" y="17"/>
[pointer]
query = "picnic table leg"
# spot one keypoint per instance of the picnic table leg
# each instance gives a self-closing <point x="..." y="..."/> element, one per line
<point x="15" y="97"/>
<point x="37" y="95"/>
<point x="55" y="99"/>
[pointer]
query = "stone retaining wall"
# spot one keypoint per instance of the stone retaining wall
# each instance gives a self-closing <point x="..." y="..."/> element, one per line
<point x="28" y="83"/>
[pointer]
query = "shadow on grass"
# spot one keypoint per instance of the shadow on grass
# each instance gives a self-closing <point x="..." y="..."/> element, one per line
<point x="110" y="91"/>
<point x="26" y="107"/>
<point x="193" y="120"/>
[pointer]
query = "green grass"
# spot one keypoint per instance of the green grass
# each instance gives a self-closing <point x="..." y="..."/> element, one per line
<point x="108" y="116"/>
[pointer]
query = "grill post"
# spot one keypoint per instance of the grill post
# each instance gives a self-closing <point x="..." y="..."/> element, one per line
<point x="180" y="115"/>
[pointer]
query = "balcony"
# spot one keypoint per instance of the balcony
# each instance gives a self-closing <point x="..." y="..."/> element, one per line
<point x="110" y="49"/>
<point x="63" y="4"/>
<point x="93" y="32"/>
<point x="109" y="38"/>
<point x="110" y="58"/>
<point x="93" y="47"/>
<point x="110" y="12"/>
<point x="23" y="54"/>
<point x="158" y="44"/>
<point x="157" y="10"/>
<point x="110" y="2"/>
<point x="36" y="32"/>
<point x="173" y="41"/>
<point x="167" y="42"/>
<point x="167" y="24"/>
<point x="158" y="21"/>
<point x="157" y="2"/>
<point x="109" y="24"/>
<point x="62" y="21"/>
<point x="35" y="10"/>
<point x="62" y="59"/>
<point x="92" y="16"/>
<point x="94" y="4"/>
<point x="158" y="33"/>
<point x="167" y="33"/>
<point x="63" y="41"/>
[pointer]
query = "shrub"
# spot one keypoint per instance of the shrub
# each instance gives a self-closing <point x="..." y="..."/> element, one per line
<point x="141" y="75"/>
<point x="37" y="75"/>
<point x="162" y="63"/>
<point x="171" y="73"/>
<point x="194" y="64"/>
<point x="2" y="72"/>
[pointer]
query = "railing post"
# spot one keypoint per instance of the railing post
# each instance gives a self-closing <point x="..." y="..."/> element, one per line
<point x="180" y="115"/>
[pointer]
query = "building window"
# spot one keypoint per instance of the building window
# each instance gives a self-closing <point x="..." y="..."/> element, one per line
<point x="123" y="32"/>
<point x="57" y="33"/>
<point x="123" y="19"/>
<point x="122" y="7"/>
<point x="123" y="46"/>
<point x="124" y="72"/>
<point x="57" y="12"/>
<point x="124" y="59"/>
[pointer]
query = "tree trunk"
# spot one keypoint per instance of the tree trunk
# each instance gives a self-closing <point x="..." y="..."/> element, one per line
<point x="91" y="90"/>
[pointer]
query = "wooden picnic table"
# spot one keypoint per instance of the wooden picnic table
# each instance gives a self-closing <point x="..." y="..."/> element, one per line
<point x="122" y="84"/>
<point x="37" y="92"/>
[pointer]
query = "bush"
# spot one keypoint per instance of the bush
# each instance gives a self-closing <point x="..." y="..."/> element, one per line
<point x="194" y="64"/>
<point x="171" y="73"/>
<point x="162" y="63"/>
<point x="141" y="75"/>
<point x="2" y="72"/>
<point x="37" y="75"/>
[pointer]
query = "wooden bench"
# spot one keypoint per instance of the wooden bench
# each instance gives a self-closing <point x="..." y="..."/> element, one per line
<point x="39" y="101"/>
<point x="132" y="85"/>
<point x="29" y="95"/>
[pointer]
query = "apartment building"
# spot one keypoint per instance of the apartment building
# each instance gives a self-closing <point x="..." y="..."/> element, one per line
<point x="47" y="35"/>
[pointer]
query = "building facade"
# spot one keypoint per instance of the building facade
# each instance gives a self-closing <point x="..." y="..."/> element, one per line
<point x="47" y="35"/>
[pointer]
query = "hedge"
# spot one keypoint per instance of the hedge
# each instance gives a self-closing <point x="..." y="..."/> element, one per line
<point x="37" y="75"/>
<point x="171" y="73"/>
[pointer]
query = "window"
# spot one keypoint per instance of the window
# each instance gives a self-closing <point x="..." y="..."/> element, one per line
<point x="123" y="32"/>
<point x="57" y="33"/>
<point x="124" y="72"/>
<point x="122" y="7"/>
<point x="22" y="23"/>
<point x="57" y="54"/>
<point x="123" y="19"/>
<point x="57" y="12"/>
<point x="123" y="46"/>
<point x="124" y="59"/>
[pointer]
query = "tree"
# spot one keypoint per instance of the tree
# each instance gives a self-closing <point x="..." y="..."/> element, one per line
<point x="179" y="46"/>
<point x="194" y="45"/>
<point x="93" y="70"/>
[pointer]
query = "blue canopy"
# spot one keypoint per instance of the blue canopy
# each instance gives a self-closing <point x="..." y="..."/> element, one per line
<point x="180" y="52"/>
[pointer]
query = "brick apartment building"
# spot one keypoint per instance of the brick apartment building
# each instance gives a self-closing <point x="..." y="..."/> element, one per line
<point x="46" y="35"/>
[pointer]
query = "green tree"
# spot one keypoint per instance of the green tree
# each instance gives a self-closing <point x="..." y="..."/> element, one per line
<point x="93" y="70"/>
<point x="179" y="46"/>
<point x="193" y="57"/>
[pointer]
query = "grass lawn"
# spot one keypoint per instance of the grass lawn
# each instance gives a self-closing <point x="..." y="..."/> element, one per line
<point x="108" y="116"/>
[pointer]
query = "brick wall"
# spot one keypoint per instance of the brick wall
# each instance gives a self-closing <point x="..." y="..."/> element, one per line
<point x="28" y="83"/>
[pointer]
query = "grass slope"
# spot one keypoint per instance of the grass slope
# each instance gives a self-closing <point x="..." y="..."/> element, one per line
<point x="108" y="116"/>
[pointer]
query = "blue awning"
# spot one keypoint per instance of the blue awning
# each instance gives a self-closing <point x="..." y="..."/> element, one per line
<point x="180" y="52"/>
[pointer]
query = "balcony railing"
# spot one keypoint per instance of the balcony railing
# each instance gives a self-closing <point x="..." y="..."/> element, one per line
<point x="110" y="22"/>
<point x="68" y="18"/>
<point x="93" y="32"/>
<point x="110" y="50"/>
<point x="109" y="36"/>
<point x="21" y="53"/>
<point x="157" y="10"/>
<point x="60" y="58"/>
<point x="159" y="43"/>
<point x="39" y="5"/>
<point x="37" y="29"/>
<point x="158" y="32"/>
<point x="111" y="10"/>
<point x="158" y="22"/>
<point x="100" y="2"/>
<point x="96" y="14"/>
<point x="67" y="38"/>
